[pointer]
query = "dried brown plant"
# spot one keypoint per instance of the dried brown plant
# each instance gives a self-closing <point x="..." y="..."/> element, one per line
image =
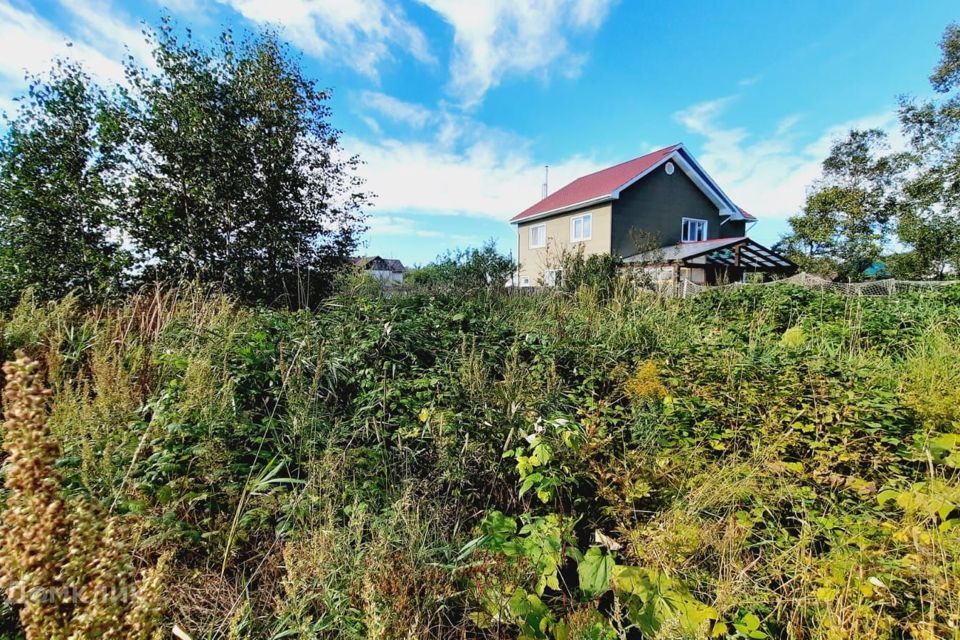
<point x="66" y="566"/>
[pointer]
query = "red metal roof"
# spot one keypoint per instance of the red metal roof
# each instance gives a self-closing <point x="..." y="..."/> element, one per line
<point x="603" y="184"/>
<point x="595" y="185"/>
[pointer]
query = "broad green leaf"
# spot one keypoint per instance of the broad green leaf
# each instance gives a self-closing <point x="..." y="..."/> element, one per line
<point x="886" y="496"/>
<point x="595" y="572"/>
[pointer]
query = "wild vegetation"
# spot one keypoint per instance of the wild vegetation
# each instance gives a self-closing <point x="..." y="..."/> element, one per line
<point x="770" y="462"/>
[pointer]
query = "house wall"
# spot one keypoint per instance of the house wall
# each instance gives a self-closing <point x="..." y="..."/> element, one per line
<point x="385" y="276"/>
<point x="533" y="262"/>
<point x="734" y="229"/>
<point x="657" y="204"/>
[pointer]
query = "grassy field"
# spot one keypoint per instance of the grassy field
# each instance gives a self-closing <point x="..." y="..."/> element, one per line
<point x="767" y="463"/>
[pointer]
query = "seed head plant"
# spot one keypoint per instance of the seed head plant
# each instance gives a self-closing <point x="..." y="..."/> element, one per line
<point x="62" y="563"/>
<point x="645" y="383"/>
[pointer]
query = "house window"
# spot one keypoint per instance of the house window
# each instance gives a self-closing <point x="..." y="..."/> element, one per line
<point x="524" y="281"/>
<point x="551" y="277"/>
<point x="581" y="228"/>
<point x="694" y="230"/>
<point x="538" y="236"/>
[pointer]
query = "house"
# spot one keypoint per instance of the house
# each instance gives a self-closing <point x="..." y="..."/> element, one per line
<point x="386" y="270"/>
<point x="661" y="211"/>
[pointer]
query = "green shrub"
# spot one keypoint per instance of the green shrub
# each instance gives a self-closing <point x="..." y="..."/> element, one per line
<point x="599" y="272"/>
<point x="466" y="269"/>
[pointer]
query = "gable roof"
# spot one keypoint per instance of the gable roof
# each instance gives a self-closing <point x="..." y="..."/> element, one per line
<point x="607" y="184"/>
<point x="368" y="262"/>
<point x="595" y="185"/>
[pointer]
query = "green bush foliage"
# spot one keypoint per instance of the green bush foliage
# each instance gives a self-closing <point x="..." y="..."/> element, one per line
<point x="770" y="462"/>
<point x="466" y="268"/>
<point x="599" y="272"/>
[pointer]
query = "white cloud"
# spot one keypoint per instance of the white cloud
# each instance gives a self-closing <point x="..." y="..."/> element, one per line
<point x="94" y="36"/>
<point x="396" y="226"/>
<point x="492" y="39"/>
<point x="768" y="175"/>
<point x="457" y="166"/>
<point x="193" y="8"/>
<point x="359" y="33"/>
<point x="424" y="177"/>
<point x="497" y="38"/>
<point x="787" y="124"/>
<point x="885" y="121"/>
<point x="415" y="115"/>
<point x="408" y="227"/>
<point x="28" y="43"/>
<point x="95" y="22"/>
<point x="372" y="124"/>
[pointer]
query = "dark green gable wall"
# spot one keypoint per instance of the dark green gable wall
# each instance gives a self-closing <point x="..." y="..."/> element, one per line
<point x="656" y="204"/>
<point x="734" y="230"/>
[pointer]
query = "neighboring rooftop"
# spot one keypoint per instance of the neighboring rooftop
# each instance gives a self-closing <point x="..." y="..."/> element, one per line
<point x="379" y="264"/>
<point x="606" y="184"/>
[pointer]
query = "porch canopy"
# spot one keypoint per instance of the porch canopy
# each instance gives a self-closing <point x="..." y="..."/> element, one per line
<point x="739" y="253"/>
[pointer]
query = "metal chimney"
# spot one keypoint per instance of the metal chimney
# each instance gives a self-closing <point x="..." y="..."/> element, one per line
<point x="546" y="180"/>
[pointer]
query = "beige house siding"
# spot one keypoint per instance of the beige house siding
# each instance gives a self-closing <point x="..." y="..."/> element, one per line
<point x="534" y="262"/>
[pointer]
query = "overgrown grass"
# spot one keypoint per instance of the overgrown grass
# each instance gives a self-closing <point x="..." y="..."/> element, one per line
<point x="772" y="462"/>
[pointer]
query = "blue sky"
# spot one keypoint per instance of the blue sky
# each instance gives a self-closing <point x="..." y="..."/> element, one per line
<point x="456" y="105"/>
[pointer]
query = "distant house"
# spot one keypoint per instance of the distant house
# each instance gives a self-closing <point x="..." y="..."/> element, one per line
<point x="664" y="197"/>
<point x="386" y="270"/>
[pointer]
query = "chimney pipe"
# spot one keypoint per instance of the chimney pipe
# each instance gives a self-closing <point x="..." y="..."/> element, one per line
<point x="546" y="180"/>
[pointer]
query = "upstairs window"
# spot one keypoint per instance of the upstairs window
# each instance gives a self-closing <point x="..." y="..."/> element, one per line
<point x="581" y="228"/>
<point x="694" y="230"/>
<point x="538" y="236"/>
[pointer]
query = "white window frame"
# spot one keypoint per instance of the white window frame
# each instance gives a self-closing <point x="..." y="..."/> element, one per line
<point x="586" y="217"/>
<point x="550" y="277"/>
<point x="683" y="225"/>
<point x="530" y="236"/>
<point x="524" y="281"/>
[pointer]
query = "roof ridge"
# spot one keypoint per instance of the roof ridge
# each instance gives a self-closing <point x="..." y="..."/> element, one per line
<point x="600" y="185"/>
<point x="634" y="159"/>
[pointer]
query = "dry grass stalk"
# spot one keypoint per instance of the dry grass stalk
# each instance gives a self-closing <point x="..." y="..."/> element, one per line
<point x="66" y="567"/>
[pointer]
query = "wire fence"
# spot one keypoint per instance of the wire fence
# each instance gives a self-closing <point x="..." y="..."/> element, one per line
<point x="687" y="288"/>
<point x="887" y="287"/>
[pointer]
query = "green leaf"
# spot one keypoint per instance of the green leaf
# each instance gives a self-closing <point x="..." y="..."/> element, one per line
<point x="595" y="572"/>
<point x="497" y="529"/>
<point x="750" y="622"/>
<point x="531" y="615"/>
<point x="886" y="496"/>
<point x="653" y="598"/>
